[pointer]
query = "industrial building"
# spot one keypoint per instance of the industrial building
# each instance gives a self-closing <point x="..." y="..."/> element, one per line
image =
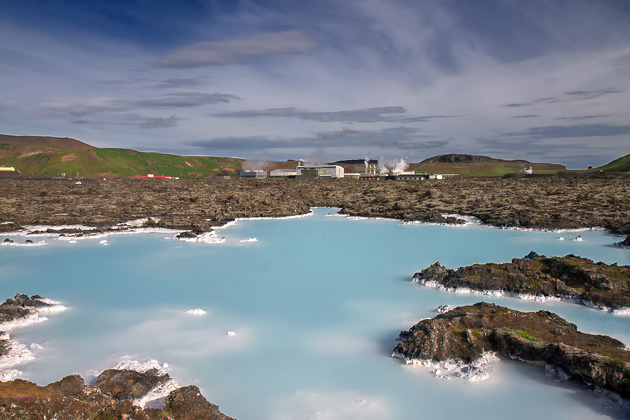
<point x="320" y="171"/>
<point x="252" y="174"/>
<point x="288" y="173"/>
<point x="405" y="176"/>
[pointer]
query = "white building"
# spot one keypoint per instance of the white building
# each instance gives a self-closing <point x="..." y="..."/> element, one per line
<point x="283" y="173"/>
<point x="318" y="171"/>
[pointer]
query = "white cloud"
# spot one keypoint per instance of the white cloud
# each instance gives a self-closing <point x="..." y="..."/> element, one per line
<point x="326" y="76"/>
<point x="212" y="53"/>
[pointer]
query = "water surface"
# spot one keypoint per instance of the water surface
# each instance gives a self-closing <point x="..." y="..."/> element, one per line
<point x="315" y="302"/>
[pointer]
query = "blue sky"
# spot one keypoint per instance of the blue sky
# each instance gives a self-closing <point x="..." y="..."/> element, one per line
<point x="547" y="81"/>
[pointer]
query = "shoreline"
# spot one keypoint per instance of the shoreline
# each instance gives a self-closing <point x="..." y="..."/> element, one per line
<point x="554" y="204"/>
<point x="465" y="341"/>
<point x="625" y="311"/>
<point x="568" y="278"/>
<point x="12" y="352"/>
<point x="147" y="385"/>
<point x="137" y="226"/>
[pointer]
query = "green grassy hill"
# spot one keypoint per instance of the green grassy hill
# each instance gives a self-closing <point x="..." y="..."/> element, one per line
<point x="466" y="166"/>
<point x="471" y="165"/>
<point x="53" y="156"/>
<point x="618" y="165"/>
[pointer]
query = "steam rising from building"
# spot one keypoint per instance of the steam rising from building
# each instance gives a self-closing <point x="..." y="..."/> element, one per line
<point x="255" y="164"/>
<point x="395" y="167"/>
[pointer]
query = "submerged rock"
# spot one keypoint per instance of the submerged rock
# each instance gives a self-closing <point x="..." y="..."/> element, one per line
<point x="467" y="332"/>
<point x="569" y="277"/>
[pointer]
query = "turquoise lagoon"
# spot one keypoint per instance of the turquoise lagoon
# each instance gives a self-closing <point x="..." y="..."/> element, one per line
<point x="300" y="323"/>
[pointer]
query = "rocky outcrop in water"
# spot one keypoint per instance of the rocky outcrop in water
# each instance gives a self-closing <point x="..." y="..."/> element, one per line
<point x="189" y="234"/>
<point x="71" y="399"/>
<point x="17" y="308"/>
<point x="125" y="384"/>
<point x="625" y="243"/>
<point x="466" y="332"/>
<point x="592" y="283"/>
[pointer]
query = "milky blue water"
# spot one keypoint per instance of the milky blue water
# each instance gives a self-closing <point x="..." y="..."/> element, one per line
<point x="316" y="304"/>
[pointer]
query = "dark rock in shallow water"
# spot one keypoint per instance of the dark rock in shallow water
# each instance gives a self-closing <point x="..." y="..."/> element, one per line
<point x="128" y="384"/>
<point x="466" y="332"/>
<point x="625" y="243"/>
<point x="70" y="399"/>
<point x="187" y="403"/>
<point x="24" y="301"/>
<point x="569" y="277"/>
<point x="531" y="256"/>
<point x="190" y="234"/>
<point x="20" y="307"/>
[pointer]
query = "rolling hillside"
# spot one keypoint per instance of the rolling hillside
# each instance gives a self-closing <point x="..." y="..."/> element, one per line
<point x="618" y="165"/>
<point x="53" y="156"/>
<point x="465" y="165"/>
<point x="472" y="165"/>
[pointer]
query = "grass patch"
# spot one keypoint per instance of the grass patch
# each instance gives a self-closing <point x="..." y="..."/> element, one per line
<point x="526" y="335"/>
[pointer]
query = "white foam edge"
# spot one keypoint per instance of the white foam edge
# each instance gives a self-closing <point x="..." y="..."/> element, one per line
<point x="625" y="311"/>
<point x="35" y="316"/>
<point x="475" y="371"/>
<point x="155" y="397"/>
<point x="18" y="354"/>
<point x="23" y="244"/>
<point x="33" y="228"/>
<point x="9" y="374"/>
<point x="197" y="312"/>
<point x="138" y="222"/>
<point x="244" y="219"/>
<point x="249" y="240"/>
<point x="621" y="311"/>
<point x="470" y="220"/>
<point x="30" y="319"/>
<point x="205" y="238"/>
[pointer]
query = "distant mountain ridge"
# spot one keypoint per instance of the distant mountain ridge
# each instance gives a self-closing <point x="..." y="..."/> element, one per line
<point x="464" y="158"/>
<point x="476" y="165"/>
<point x="54" y="156"/>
